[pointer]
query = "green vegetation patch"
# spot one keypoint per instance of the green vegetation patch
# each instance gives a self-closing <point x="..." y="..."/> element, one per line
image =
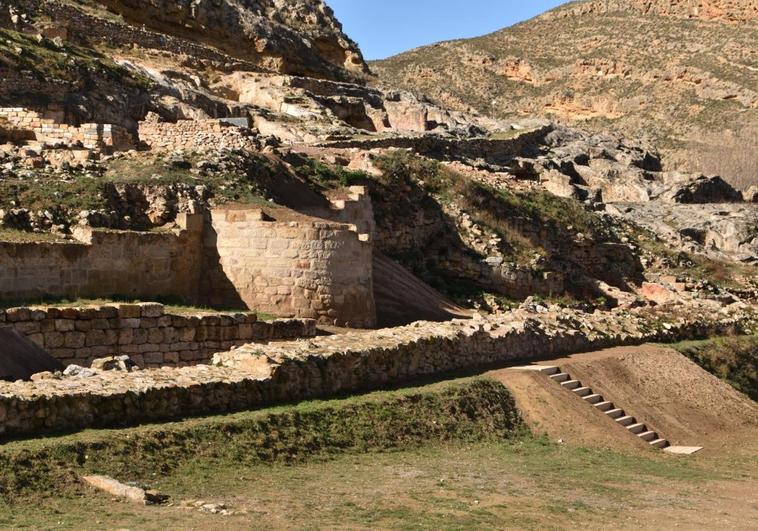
<point x="66" y="61"/>
<point x="733" y="359"/>
<point x="329" y="177"/>
<point x="464" y="410"/>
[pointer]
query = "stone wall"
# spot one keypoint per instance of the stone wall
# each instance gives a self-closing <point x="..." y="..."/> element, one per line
<point x="107" y="137"/>
<point x="145" y="332"/>
<point x="203" y="134"/>
<point x="492" y="151"/>
<point x="140" y="265"/>
<point x="303" y="268"/>
<point x="258" y="375"/>
<point x="308" y="267"/>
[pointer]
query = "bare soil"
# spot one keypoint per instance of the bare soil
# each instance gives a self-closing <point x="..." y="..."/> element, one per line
<point x="660" y="387"/>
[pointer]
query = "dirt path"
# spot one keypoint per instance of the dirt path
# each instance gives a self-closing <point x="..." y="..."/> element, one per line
<point x="659" y="386"/>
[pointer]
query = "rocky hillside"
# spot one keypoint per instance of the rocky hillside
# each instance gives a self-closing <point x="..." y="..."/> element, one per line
<point x="122" y="115"/>
<point x="682" y="75"/>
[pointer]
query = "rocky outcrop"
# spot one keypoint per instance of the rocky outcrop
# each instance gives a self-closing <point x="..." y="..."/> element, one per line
<point x="724" y="231"/>
<point x="296" y="37"/>
<point x="592" y="64"/>
<point x="721" y="10"/>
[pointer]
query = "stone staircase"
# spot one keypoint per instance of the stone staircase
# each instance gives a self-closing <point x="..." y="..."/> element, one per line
<point x="609" y="408"/>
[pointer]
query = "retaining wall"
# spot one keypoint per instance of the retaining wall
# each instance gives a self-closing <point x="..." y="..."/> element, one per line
<point x="151" y="337"/>
<point x="195" y="135"/>
<point x="258" y="375"/>
<point x="139" y="265"/>
<point x="92" y="136"/>
<point x="304" y="268"/>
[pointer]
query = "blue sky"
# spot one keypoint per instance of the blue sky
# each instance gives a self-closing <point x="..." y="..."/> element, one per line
<point x="387" y="27"/>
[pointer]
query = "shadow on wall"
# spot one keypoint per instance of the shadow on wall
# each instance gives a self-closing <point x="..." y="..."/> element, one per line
<point x="216" y="289"/>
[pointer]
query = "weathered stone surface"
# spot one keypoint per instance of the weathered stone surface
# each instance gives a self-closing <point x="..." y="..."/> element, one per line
<point x="326" y="365"/>
<point x="157" y="339"/>
<point x="120" y="490"/>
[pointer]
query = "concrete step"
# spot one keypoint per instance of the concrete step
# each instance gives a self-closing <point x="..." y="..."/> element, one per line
<point x="637" y="428"/>
<point x="605" y="405"/>
<point x="593" y="398"/>
<point x="626" y="420"/>
<point x="550" y="370"/>
<point x="615" y="413"/>
<point x="571" y="384"/>
<point x="659" y="443"/>
<point x="582" y="391"/>
<point x="560" y="377"/>
<point x="648" y="436"/>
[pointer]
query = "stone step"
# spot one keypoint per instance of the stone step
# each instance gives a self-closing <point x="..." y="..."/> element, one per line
<point x="560" y="377"/>
<point x="615" y="413"/>
<point x="571" y="384"/>
<point x="659" y="443"/>
<point x="550" y="370"/>
<point x="648" y="436"/>
<point x="626" y="420"/>
<point x="605" y="405"/>
<point x="593" y="398"/>
<point x="582" y="391"/>
<point x="637" y="428"/>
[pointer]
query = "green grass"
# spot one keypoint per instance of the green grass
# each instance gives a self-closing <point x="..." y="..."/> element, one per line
<point x="450" y="455"/>
<point x="19" y="236"/>
<point x="466" y="410"/>
<point x="733" y="359"/>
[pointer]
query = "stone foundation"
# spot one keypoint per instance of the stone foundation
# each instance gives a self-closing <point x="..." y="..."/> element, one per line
<point x="198" y="135"/>
<point x="151" y="337"/>
<point x="106" y="137"/>
<point x="258" y="375"/>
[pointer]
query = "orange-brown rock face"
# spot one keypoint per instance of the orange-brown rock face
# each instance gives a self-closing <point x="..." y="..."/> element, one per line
<point x="681" y="73"/>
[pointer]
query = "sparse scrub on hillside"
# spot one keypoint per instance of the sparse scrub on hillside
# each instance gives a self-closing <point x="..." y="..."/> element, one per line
<point x="66" y="61"/>
<point x="733" y="359"/>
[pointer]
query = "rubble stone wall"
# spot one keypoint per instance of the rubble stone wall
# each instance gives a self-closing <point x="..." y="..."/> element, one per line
<point x="92" y="136"/>
<point x="490" y="150"/>
<point x="306" y="268"/>
<point x="138" y="265"/>
<point x="258" y="375"/>
<point x="195" y="135"/>
<point x="145" y="332"/>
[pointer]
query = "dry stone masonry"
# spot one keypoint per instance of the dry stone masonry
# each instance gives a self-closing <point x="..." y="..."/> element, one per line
<point x="232" y="258"/>
<point x="106" y="137"/>
<point x="196" y="135"/>
<point x="258" y="375"/>
<point x="145" y="332"/>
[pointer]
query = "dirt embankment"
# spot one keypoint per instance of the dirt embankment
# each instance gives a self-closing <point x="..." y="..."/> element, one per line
<point x="660" y="387"/>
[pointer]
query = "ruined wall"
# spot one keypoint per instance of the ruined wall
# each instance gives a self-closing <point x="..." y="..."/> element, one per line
<point x="304" y="268"/>
<point x="105" y="263"/>
<point x="261" y="375"/>
<point x="108" y="137"/>
<point x="145" y="332"/>
<point x="195" y="135"/>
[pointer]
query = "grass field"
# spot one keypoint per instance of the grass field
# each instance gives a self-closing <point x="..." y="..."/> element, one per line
<point x="451" y="455"/>
<point x="524" y="483"/>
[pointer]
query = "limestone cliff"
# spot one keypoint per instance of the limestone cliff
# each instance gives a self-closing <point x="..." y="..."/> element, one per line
<point x="298" y="37"/>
